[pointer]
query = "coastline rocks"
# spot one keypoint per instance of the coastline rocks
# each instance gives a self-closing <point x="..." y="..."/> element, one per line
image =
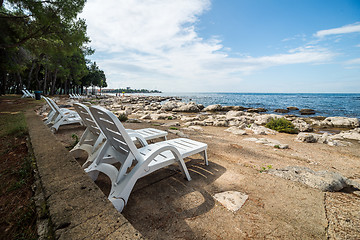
<point x="308" y="137"/>
<point x="188" y="119"/>
<point x="281" y="110"/>
<point x="341" y="122"/>
<point x="353" y="134"/>
<point x="182" y="107"/>
<point x="169" y="106"/>
<point x="187" y="108"/>
<point x="318" y="138"/>
<point x="264" y="119"/>
<point x="268" y="142"/>
<point x="323" y="180"/>
<point x="158" y="116"/>
<point x="261" y="130"/>
<point x="236" y="131"/>
<point x="307" y="111"/>
<point x="256" y="110"/>
<point x="230" y="115"/>
<point x="302" y="126"/>
<point x="213" y="108"/>
<point x="220" y="123"/>
<point x="292" y="108"/>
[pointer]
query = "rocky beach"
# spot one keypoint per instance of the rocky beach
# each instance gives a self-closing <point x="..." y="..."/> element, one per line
<point x="289" y="186"/>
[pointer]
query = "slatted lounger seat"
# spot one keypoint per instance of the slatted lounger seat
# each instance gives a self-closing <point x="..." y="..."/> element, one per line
<point x="148" y="158"/>
<point x="92" y="137"/>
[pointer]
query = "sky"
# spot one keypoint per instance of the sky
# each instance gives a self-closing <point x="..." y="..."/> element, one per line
<point x="270" y="46"/>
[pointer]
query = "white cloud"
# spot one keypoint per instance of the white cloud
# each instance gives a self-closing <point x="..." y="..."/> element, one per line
<point x="341" y="30"/>
<point x="154" y="44"/>
<point x="355" y="61"/>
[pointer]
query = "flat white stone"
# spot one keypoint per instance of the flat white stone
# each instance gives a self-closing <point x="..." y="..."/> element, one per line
<point x="232" y="200"/>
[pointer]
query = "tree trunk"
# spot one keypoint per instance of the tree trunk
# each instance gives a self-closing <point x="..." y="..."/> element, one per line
<point x="45" y="80"/>
<point x="19" y="83"/>
<point x="37" y="76"/>
<point x="30" y="73"/>
<point x="53" y="83"/>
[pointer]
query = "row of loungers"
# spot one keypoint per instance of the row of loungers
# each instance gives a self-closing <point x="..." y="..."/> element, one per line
<point x="107" y="142"/>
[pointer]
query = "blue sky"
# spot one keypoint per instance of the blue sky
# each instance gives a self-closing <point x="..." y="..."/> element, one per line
<point x="227" y="45"/>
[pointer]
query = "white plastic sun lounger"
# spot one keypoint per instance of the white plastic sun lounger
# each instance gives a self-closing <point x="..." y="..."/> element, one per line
<point x="26" y="93"/>
<point x="148" y="158"/>
<point x="63" y="117"/>
<point x="92" y="138"/>
<point x="50" y="119"/>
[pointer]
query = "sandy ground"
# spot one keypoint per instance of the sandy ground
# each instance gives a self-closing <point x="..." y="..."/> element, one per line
<point x="164" y="205"/>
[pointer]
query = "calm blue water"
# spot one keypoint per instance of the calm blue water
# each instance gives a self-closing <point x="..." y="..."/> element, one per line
<point x="325" y="104"/>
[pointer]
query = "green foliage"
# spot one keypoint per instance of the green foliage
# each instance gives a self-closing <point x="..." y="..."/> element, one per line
<point x="277" y="146"/>
<point x="76" y="140"/>
<point x="169" y="118"/>
<point x="174" y="128"/>
<point x="123" y="118"/>
<point x="263" y="169"/>
<point x="281" y="125"/>
<point x="42" y="46"/>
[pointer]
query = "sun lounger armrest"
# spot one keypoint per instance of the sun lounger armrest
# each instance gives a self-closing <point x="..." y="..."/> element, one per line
<point x="159" y="149"/>
<point x="138" y="137"/>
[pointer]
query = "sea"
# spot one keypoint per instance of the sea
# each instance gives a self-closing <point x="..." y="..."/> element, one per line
<point x="324" y="104"/>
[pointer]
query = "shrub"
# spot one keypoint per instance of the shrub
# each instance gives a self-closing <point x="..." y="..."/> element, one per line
<point x="123" y="118"/>
<point x="281" y="125"/>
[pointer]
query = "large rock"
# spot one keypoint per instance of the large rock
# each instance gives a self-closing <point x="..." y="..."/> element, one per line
<point x="342" y="122"/>
<point x="302" y="126"/>
<point x="261" y="130"/>
<point x="279" y="110"/>
<point x="213" y="108"/>
<point x="308" y="137"/>
<point x="234" y="114"/>
<point x="235" y="130"/>
<point x="307" y="111"/>
<point x="232" y="200"/>
<point x="256" y="110"/>
<point x="187" y="108"/>
<point x="324" y="180"/>
<point x="161" y="116"/>
<point x="325" y="138"/>
<point x="268" y="142"/>
<point x="169" y="106"/>
<point x="353" y="134"/>
<point x="292" y="108"/>
<point x="265" y="118"/>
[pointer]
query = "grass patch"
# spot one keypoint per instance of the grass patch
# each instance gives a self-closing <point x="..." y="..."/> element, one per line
<point x="17" y="210"/>
<point x="281" y="125"/>
<point x="174" y="128"/>
<point x="13" y="124"/>
<point x="264" y="169"/>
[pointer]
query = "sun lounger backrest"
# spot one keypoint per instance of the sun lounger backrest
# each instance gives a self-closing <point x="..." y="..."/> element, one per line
<point x="87" y="118"/>
<point x="49" y="103"/>
<point x="114" y="131"/>
<point x="55" y="106"/>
